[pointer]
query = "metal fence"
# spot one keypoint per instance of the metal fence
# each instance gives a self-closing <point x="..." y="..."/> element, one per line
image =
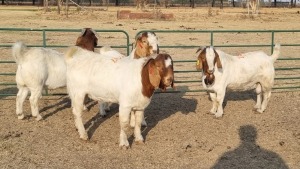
<point x="182" y="49"/>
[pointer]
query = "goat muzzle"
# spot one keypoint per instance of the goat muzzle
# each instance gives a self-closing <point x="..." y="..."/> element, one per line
<point x="210" y="78"/>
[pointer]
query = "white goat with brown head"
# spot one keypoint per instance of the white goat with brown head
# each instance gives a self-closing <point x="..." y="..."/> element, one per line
<point x="129" y="82"/>
<point x="221" y="72"/>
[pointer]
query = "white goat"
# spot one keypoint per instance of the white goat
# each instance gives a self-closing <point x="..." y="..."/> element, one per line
<point x="129" y="82"/>
<point x="41" y="67"/>
<point x="146" y="44"/>
<point x="221" y="72"/>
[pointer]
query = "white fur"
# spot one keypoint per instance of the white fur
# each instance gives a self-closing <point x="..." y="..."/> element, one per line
<point x="37" y="68"/>
<point x="253" y="70"/>
<point x="115" y="55"/>
<point x="102" y="79"/>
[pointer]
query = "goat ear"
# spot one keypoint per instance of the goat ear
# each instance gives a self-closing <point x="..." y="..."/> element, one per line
<point x="154" y="75"/>
<point x="83" y="31"/>
<point x="217" y="60"/>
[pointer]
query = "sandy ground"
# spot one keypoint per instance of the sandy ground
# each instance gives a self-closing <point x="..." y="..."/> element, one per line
<point x="180" y="133"/>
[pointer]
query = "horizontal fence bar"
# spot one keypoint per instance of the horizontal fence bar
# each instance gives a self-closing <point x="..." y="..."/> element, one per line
<point x="128" y="45"/>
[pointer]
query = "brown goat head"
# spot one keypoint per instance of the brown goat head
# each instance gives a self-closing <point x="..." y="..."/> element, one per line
<point x="157" y="73"/>
<point x="146" y="44"/>
<point x="202" y="63"/>
<point x="87" y="39"/>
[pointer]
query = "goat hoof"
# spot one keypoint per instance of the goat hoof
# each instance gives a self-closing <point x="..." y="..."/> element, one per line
<point x="38" y="118"/>
<point x="259" y="110"/>
<point x="21" y="117"/>
<point x="84" y="137"/>
<point x="139" y="142"/>
<point x="218" y="115"/>
<point x="123" y="147"/>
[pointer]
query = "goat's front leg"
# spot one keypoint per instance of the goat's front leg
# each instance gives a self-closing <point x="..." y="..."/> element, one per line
<point x="21" y="96"/>
<point x="34" y="97"/>
<point x="77" y="111"/>
<point x="124" y="113"/>
<point x="139" y="116"/>
<point x="219" y="101"/>
<point x="213" y="97"/>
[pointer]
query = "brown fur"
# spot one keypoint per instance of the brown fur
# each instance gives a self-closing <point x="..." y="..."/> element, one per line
<point x="142" y="48"/>
<point x="202" y="64"/>
<point x="87" y="40"/>
<point x="154" y="74"/>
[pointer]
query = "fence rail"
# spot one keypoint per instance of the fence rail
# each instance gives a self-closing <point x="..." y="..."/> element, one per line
<point x="188" y="80"/>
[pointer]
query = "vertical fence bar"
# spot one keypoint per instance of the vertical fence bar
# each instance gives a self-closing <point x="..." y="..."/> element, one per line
<point x="44" y="45"/>
<point x="211" y="38"/>
<point x="44" y="38"/>
<point x="272" y="41"/>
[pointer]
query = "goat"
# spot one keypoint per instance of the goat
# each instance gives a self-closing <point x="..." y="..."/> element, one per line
<point x="41" y="67"/>
<point x="129" y="82"/>
<point x="221" y="72"/>
<point x="146" y="44"/>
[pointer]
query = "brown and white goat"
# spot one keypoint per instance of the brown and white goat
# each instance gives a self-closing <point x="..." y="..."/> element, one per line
<point x="129" y="82"/>
<point x="221" y="72"/>
<point x="41" y="67"/>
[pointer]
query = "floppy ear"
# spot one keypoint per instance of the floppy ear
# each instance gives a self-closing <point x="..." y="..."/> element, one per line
<point x="217" y="60"/>
<point x="199" y="61"/>
<point x="154" y="75"/>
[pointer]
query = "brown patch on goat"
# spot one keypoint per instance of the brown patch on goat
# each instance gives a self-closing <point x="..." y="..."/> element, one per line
<point x="142" y="48"/>
<point x="87" y="40"/>
<point x="217" y="60"/>
<point x="155" y="74"/>
<point x="202" y="64"/>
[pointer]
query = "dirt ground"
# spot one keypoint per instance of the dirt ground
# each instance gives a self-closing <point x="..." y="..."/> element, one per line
<point x="180" y="132"/>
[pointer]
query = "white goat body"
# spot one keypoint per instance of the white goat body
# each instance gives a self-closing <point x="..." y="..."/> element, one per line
<point x="146" y="44"/>
<point x="37" y="68"/>
<point x="253" y="70"/>
<point x="120" y="82"/>
<point x="41" y="67"/>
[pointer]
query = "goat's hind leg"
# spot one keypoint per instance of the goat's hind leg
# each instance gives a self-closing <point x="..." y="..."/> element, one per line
<point x="21" y="96"/>
<point x="34" y="98"/>
<point x="77" y="104"/>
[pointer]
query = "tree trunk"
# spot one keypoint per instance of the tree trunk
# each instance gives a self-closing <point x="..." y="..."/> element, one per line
<point x="213" y="3"/>
<point x="67" y="7"/>
<point x="233" y="3"/>
<point x="221" y="4"/>
<point x="117" y="2"/>
<point x="192" y="3"/>
<point x="58" y="6"/>
<point x="45" y="5"/>
<point x="275" y="3"/>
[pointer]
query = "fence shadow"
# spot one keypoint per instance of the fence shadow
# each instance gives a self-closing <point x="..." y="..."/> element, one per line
<point x="249" y="154"/>
<point x="8" y="90"/>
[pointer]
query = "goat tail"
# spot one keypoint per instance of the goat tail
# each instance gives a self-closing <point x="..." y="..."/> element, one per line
<point x="276" y="52"/>
<point x="70" y="53"/>
<point x="18" y="51"/>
